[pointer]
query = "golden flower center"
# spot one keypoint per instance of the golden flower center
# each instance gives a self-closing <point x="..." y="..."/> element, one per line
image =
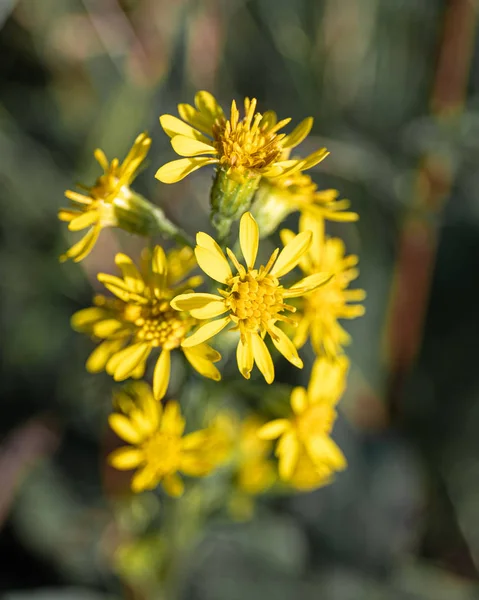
<point x="254" y="302"/>
<point x="246" y="145"/>
<point x="318" y="419"/>
<point x="163" y="452"/>
<point x="157" y="323"/>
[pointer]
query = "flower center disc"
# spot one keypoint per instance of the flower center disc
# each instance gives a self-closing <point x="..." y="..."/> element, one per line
<point x="158" y="323"/>
<point x="164" y="452"/>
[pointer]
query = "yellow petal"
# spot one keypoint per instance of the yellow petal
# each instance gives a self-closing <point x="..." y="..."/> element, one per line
<point x="308" y="284"/>
<point x="84" y="220"/>
<point x="104" y="329"/>
<point x="195" y="466"/>
<point x="205" y="351"/>
<point x="173" y="485"/>
<point x="131" y="275"/>
<point x="201" y="364"/>
<point x="82" y="248"/>
<point x="144" y="479"/>
<point x="172" y="422"/>
<point x="291" y="254"/>
<point x="205" y="332"/>
<point x="299" y="400"/>
<point x="161" y="375"/>
<point x="244" y="356"/>
<point x="101" y="355"/>
<point x="84" y="319"/>
<point x="67" y="214"/>
<point x="323" y="450"/>
<point x="185" y="146"/>
<point x="298" y="134"/>
<point x="173" y="126"/>
<point x="206" y="103"/>
<point x="177" y="170"/>
<point x="213" y="264"/>
<point x="159" y="263"/>
<point x="273" y="429"/>
<point x="285" y="346"/>
<point x="289" y="455"/>
<point x="200" y="121"/>
<point x="123" y="427"/>
<point x="128" y="359"/>
<point x="213" y="309"/>
<point x="262" y="357"/>
<point x="193" y="301"/>
<point x="125" y="459"/>
<point x="249" y="238"/>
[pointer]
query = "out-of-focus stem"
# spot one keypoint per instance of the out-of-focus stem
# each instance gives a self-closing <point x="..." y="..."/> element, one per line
<point x="419" y="236"/>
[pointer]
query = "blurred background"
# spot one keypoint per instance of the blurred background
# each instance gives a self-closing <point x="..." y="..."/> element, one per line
<point x="393" y="86"/>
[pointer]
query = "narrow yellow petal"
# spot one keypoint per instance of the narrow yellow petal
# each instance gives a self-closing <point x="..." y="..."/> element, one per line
<point x="172" y="422"/>
<point x="203" y="365"/>
<point x="289" y="454"/>
<point x="177" y="170"/>
<point x="173" y="485"/>
<point x="101" y="355"/>
<point x="185" y="146"/>
<point x="299" y="400"/>
<point x="82" y="248"/>
<point x="249" y="238"/>
<point x="123" y="428"/>
<point x="85" y="219"/>
<point x="144" y="479"/>
<point x="298" y="134"/>
<point x="67" y="214"/>
<point x="273" y="429"/>
<point x="83" y="319"/>
<point x="292" y="253"/>
<point x="173" y="126"/>
<point x="213" y="264"/>
<point x="205" y="351"/>
<point x="213" y="309"/>
<point x="161" y="375"/>
<point x="323" y="450"/>
<point x="125" y="459"/>
<point x="128" y="359"/>
<point x="262" y="357"/>
<point x="159" y="263"/>
<point x="205" y="332"/>
<point x="308" y="284"/>
<point x="285" y="346"/>
<point x="200" y="121"/>
<point x="244" y="356"/>
<point x="206" y="103"/>
<point x="131" y="275"/>
<point x="193" y="301"/>
<point x="104" y="329"/>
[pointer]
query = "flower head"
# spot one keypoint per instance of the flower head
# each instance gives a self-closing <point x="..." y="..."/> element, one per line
<point x="319" y="312"/>
<point x="308" y="457"/>
<point x="294" y="191"/>
<point x="253" y="299"/>
<point x="109" y="202"/>
<point x="157" y="447"/>
<point x="244" y="147"/>
<point x="140" y="320"/>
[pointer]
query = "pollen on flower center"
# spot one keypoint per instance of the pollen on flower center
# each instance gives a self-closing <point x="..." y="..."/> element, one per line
<point x="254" y="301"/>
<point x="246" y="144"/>
<point x="158" y="323"/>
<point x="318" y="419"/>
<point x="164" y="451"/>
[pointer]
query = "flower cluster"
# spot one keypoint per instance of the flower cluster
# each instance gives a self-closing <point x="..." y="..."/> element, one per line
<point x="260" y="306"/>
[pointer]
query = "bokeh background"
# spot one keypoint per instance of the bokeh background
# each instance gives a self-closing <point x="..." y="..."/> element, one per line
<point x="393" y="86"/>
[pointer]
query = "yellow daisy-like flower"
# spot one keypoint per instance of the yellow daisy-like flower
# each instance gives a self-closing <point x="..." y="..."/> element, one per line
<point x="247" y="146"/>
<point x="140" y="320"/>
<point x="307" y="455"/>
<point x="296" y="191"/>
<point x="319" y="311"/>
<point x="253" y="298"/>
<point x="108" y="203"/>
<point x="157" y="447"/>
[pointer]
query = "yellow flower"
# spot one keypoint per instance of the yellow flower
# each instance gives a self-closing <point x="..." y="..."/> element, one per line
<point x="293" y="191"/>
<point x="245" y="147"/>
<point x="140" y="320"/>
<point x="108" y="203"/>
<point x="157" y="448"/>
<point x="319" y="311"/>
<point x="308" y="457"/>
<point x="253" y="299"/>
